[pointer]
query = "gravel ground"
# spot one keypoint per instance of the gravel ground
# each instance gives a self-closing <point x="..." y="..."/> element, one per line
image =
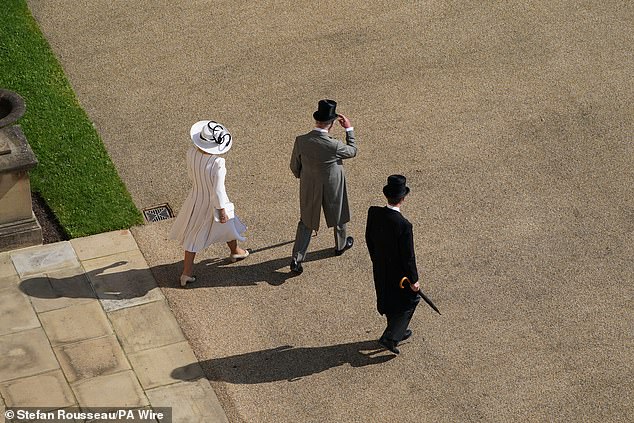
<point x="512" y="121"/>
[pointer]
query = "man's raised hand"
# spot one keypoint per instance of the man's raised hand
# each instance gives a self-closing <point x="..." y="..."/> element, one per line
<point x="344" y="121"/>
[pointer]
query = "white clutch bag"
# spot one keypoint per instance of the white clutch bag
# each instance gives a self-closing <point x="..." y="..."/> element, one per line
<point x="229" y="211"/>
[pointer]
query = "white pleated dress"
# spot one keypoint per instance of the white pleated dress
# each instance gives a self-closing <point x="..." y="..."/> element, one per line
<point x="194" y="226"/>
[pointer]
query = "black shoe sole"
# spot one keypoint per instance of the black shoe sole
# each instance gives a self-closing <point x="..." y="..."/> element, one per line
<point x="389" y="348"/>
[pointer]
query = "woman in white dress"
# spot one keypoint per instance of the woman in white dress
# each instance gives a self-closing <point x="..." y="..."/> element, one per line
<point x="207" y="216"/>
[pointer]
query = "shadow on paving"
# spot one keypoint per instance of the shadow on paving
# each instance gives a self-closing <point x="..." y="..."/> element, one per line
<point x="110" y="284"/>
<point x="286" y="362"/>
<point x="106" y="282"/>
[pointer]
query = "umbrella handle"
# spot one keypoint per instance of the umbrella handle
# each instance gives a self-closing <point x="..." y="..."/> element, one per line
<point x="402" y="282"/>
<point x="419" y="292"/>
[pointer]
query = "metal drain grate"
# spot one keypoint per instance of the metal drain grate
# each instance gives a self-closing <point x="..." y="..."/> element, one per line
<point x="156" y="213"/>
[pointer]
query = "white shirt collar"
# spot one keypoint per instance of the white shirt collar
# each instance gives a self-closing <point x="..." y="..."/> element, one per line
<point x="398" y="209"/>
<point x="322" y="130"/>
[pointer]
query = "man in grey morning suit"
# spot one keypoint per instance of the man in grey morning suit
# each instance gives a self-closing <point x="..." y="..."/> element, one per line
<point x="317" y="160"/>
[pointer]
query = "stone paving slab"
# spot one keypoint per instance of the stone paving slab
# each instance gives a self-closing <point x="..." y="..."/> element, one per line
<point x="155" y="367"/>
<point x="75" y="323"/>
<point x="146" y="326"/>
<point x="25" y="354"/>
<point x="91" y="358"/>
<point x="7" y="269"/>
<point x="44" y="258"/>
<point x="77" y="356"/>
<point x="16" y="313"/>
<point x="47" y="391"/>
<point x="194" y="399"/>
<point x="101" y="245"/>
<point x="10" y="280"/>
<point x="116" y="390"/>
<point x="122" y="280"/>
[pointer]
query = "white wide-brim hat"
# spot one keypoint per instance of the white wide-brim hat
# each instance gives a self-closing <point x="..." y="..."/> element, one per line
<point x="211" y="137"/>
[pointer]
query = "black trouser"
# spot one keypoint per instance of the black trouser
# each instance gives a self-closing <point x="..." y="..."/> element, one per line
<point x="397" y="324"/>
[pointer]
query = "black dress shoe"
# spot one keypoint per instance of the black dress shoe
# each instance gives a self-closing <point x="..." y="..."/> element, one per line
<point x="349" y="242"/>
<point x="296" y="267"/>
<point x="390" y="345"/>
<point x="406" y="335"/>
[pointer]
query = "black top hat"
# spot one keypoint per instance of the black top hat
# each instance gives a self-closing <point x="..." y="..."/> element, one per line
<point x="325" y="111"/>
<point x="395" y="187"/>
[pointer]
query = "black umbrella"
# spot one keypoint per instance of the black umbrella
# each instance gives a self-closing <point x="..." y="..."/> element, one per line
<point x="419" y="292"/>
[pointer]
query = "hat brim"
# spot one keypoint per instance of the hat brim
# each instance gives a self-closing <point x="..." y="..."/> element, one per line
<point x="320" y="118"/>
<point x="395" y="194"/>
<point x="194" y="133"/>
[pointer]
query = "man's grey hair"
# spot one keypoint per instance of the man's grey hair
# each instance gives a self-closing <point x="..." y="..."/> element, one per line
<point x="325" y="122"/>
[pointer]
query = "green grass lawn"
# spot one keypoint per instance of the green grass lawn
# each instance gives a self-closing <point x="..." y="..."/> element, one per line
<point x="75" y="174"/>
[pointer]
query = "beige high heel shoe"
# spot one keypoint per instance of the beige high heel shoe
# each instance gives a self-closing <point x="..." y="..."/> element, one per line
<point x="186" y="279"/>
<point x="236" y="257"/>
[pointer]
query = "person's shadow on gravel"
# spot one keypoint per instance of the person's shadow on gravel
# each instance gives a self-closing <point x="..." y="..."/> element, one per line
<point x="221" y="272"/>
<point x="284" y="363"/>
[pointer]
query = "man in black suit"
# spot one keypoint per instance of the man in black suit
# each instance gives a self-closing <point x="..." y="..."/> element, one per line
<point x="390" y="242"/>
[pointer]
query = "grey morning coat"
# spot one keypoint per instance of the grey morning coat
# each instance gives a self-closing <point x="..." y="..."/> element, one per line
<point x="317" y="161"/>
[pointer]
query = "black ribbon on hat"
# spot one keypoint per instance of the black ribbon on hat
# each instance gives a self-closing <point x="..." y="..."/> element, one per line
<point x="220" y="139"/>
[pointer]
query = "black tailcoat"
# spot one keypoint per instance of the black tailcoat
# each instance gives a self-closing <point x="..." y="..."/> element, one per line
<point x="390" y="241"/>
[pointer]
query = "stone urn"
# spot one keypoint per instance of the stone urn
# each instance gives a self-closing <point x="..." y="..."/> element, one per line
<point x="18" y="225"/>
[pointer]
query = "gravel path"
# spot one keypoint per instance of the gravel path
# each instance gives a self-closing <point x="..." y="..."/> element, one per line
<point x="513" y="123"/>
